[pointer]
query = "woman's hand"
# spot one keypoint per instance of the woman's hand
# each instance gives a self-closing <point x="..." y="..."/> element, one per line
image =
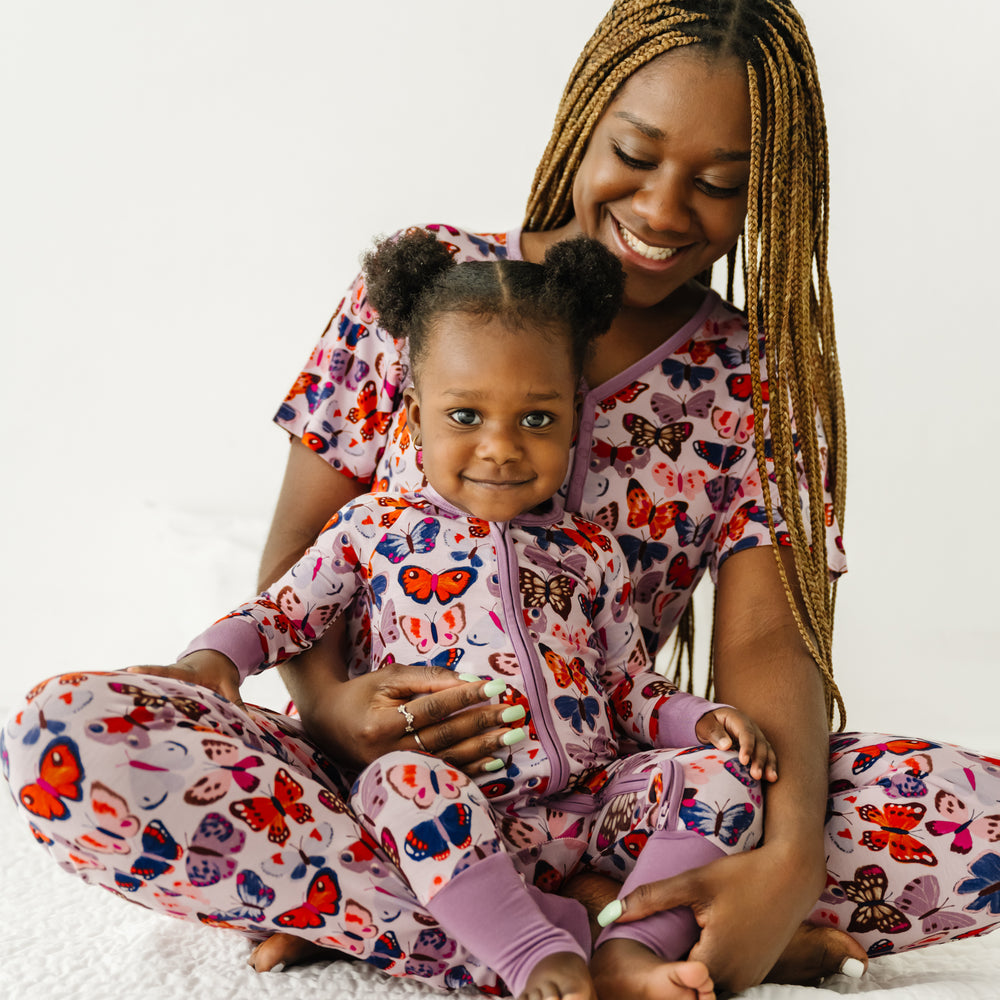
<point x="356" y="721"/>
<point x="726" y="727"/>
<point x="206" y="667"/>
<point x="748" y="906"/>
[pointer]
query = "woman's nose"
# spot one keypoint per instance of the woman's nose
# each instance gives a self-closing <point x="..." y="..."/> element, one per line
<point x="664" y="203"/>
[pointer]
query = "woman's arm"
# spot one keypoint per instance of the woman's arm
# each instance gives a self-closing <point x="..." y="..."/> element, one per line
<point x="749" y="905"/>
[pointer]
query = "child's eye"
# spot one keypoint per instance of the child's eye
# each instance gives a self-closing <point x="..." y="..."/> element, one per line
<point x="537" y="420"/>
<point x="467" y="418"/>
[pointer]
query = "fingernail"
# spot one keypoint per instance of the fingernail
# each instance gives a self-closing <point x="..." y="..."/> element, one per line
<point x="469" y="677"/>
<point x="493" y="688"/>
<point x="514" y="736"/>
<point x="852" y="967"/>
<point x="493" y="765"/>
<point x="513" y="713"/>
<point x="610" y="913"/>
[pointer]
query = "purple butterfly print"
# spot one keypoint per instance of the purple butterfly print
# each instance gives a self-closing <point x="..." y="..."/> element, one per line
<point x="671" y="409"/>
<point x="209" y="854"/>
<point x="921" y="899"/>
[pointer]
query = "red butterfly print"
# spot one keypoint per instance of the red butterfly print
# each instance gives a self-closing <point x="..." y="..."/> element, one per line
<point x="59" y="775"/>
<point x="426" y="633"/>
<point x="643" y="513"/>
<point x="629" y="394"/>
<point x="322" y="900"/>
<point x="591" y="532"/>
<point x="566" y="673"/>
<point x="395" y="506"/>
<point x="732" y="425"/>
<point x="365" y="413"/>
<point x="478" y="528"/>
<point x="700" y="350"/>
<point x="866" y="756"/>
<point x="421" y="585"/>
<point x="667" y="438"/>
<point x="896" y="820"/>
<point x="557" y="591"/>
<point x="736" y="525"/>
<point x="680" y="575"/>
<point x="624" y="458"/>
<point x="741" y="388"/>
<point x="271" y="811"/>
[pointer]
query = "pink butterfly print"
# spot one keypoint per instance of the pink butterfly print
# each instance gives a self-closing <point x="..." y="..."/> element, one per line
<point x="921" y="899"/>
<point x="114" y="824"/>
<point x="134" y="727"/>
<point x="443" y="630"/>
<point x="356" y="930"/>
<point x="423" y="786"/>
<point x="209" y="858"/>
<point x="232" y="766"/>
<point x="504" y="663"/>
<point x="677" y="481"/>
<point x="960" y="824"/>
<point x="347" y="367"/>
<point x="730" y="424"/>
<point x="295" y="861"/>
<point x="671" y="409"/>
<point x="156" y="773"/>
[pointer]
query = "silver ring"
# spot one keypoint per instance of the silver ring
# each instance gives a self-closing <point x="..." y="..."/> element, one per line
<point x="420" y="743"/>
<point x="408" y="715"/>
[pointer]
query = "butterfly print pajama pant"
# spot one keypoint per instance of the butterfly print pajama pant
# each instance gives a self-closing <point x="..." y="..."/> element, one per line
<point x="168" y="795"/>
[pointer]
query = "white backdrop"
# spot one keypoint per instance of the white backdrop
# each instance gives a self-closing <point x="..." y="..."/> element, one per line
<point x="186" y="188"/>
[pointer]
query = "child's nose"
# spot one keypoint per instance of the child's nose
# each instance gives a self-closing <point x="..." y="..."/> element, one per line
<point x="498" y="445"/>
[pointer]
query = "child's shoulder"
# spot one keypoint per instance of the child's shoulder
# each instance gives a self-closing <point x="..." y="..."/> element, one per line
<point x="465" y="244"/>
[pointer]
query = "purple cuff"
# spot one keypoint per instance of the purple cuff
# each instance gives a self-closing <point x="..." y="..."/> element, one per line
<point x="233" y="637"/>
<point x="678" y="717"/>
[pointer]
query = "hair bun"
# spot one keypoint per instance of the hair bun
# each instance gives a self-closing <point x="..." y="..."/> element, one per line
<point x="589" y="278"/>
<point x="399" y="271"/>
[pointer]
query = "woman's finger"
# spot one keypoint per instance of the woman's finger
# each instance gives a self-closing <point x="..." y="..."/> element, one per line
<point x="655" y="897"/>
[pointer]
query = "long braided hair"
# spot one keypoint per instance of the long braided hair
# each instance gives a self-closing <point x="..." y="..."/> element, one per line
<point x="784" y="258"/>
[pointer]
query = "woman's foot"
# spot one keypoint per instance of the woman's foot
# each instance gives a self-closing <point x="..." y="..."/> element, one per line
<point x="627" y="970"/>
<point x="815" y="952"/>
<point x="563" y="976"/>
<point x="284" y="950"/>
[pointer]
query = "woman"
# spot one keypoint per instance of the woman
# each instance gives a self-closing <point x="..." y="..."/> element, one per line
<point x="659" y="203"/>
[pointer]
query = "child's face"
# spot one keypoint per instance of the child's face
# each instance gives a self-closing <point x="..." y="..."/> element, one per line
<point x="494" y="413"/>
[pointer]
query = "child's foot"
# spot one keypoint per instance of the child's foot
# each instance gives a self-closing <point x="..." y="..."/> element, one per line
<point x="283" y="950"/>
<point x="563" y="976"/>
<point x="815" y="952"/>
<point x="627" y="970"/>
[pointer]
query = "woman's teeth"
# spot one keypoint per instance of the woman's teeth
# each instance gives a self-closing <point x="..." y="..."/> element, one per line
<point x="644" y="249"/>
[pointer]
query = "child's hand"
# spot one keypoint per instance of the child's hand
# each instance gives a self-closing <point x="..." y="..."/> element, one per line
<point x="206" y="667"/>
<point x="726" y="727"/>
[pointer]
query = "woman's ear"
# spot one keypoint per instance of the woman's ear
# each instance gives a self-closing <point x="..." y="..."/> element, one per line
<point x="412" y="403"/>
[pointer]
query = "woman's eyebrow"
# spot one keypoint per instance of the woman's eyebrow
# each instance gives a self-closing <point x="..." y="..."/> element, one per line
<point x="652" y="132"/>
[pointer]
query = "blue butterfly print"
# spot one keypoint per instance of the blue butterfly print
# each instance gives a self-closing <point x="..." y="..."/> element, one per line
<point x="690" y="530"/>
<point x="727" y="825"/>
<point x="733" y="357"/>
<point x="314" y="397"/>
<point x="447" y="658"/>
<point x="127" y="883"/>
<point x="350" y="332"/>
<point x="485" y="247"/>
<point x="386" y="952"/>
<point x="719" y="457"/>
<point x="679" y="373"/>
<point x="430" y="838"/>
<point x="159" y="851"/>
<point x="396" y="547"/>
<point x="641" y="550"/>
<point x="377" y="586"/>
<point x="255" y="898"/>
<point x="986" y="884"/>
<point x="578" y="711"/>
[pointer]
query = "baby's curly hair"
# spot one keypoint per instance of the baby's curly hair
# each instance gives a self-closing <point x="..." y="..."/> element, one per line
<point x="414" y="278"/>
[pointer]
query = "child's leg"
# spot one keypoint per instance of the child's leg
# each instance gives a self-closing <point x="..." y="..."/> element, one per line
<point x="168" y="795"/>
<point x="442" y="830"/>
<point x="678" y="812"/>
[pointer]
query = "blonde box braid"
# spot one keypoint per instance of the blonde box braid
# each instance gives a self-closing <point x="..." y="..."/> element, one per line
<point x="788" y="303"/>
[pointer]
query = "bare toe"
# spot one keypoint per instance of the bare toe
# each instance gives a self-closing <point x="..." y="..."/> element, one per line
<point x="280" y="950"/>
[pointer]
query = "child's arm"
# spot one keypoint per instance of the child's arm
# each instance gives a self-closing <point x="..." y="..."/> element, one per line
<point x="726" y="727"/>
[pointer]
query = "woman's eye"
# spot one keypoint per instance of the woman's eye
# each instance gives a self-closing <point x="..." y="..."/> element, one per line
<point x="537" y="420"/>
<point x="467" y="418"/>
<point x="631" y="161"/>
<point x="719" y="191"/>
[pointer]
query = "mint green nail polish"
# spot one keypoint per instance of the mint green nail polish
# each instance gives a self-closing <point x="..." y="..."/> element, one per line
<point x="513" y="713"/>
<point x="492" y="688"/>
<point x="514" y="736"/>
<point x="469" y="677"/>
<point x="493" y="765"/>
<point x="610" y="913"/>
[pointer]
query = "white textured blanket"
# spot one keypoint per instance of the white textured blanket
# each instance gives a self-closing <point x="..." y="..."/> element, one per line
<point x="63" y="939"/>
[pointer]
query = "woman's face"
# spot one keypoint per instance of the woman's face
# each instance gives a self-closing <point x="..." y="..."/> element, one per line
<point x="663" y="183"/>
